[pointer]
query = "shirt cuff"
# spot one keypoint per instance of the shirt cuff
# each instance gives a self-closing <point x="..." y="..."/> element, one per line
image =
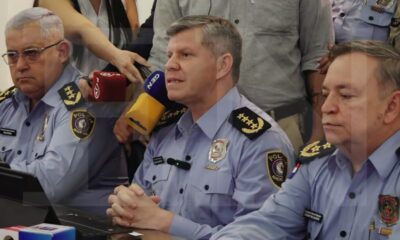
<point x="183" y="227"/>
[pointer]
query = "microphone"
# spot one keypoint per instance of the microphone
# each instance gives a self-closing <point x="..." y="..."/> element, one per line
<point x="150" y="105"/>
<point x="108" y="86"/>
<point x="179" y="164"/>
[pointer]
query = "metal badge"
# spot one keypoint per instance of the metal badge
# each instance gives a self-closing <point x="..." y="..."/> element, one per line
<point x="388" y="209"/>
<point x="218" y="150"/>
<point x="381" y="5"/>
<point x="40" y="137"/>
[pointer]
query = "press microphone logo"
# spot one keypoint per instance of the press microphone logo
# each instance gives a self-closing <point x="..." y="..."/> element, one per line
<point x="152" y="81"/>
<point x="96" y="91"/>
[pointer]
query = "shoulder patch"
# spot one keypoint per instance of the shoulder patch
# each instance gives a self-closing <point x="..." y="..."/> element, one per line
<point x="71" y="96"/>
<point x="170" y="116"/>
<point x="248" y="122"/>
<point x="82" y="123"/>
<point x="277" y="166"/>
<point x="8" y="93"/>
<point x="315" y="150"/>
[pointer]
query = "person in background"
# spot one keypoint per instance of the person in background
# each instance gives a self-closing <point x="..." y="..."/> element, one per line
<point x="100" y="29"/>
<point x="351" y="192"/>
<point x="46" y="127"/>
<point x="218" y="160"/>
<point x="362" y="19"/>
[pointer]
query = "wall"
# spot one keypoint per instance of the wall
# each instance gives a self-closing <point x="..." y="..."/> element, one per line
<point x="10" y="7"/>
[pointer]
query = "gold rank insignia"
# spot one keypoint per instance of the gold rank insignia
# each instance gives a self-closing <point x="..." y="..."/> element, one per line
<point x="248" y="122"/>
<point x="277" y="166"/>
<point x="170" y="116"/>
<point x="8" y="93"/>
<point x="71" y="96"/>
<point x="82" y="123"/>
<point x="218" y="150"/>
<point x="314" y="150"/>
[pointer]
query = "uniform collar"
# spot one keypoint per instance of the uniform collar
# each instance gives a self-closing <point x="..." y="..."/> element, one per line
<point x="52" y="98"/>
<point x="212" y="120"/>
<point x="385" y="157"/>
<point x="382" y="159"/>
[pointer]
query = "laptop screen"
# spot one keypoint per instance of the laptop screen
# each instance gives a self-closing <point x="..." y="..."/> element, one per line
<point x="22" y="199"/>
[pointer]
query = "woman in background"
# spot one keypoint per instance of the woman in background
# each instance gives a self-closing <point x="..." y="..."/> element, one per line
<point x="99" y="30"/>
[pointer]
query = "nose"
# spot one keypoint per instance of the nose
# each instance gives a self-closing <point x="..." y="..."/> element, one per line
<point x="330" y="104"/>
<point x="171" y="64"/>
<point x="21" y="64"/>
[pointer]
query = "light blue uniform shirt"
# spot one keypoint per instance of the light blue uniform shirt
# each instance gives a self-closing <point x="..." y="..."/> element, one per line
<point x="356" y="20"/>
<point x="205" y="199"/>
<point x="349" y="204"/>
<point x="72" y="171"/>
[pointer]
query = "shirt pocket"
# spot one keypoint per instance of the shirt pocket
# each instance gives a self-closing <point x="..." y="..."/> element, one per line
<point x="210" y="193"/>
<point x="274" y="17"/>
<point x="157" y="176"/>
<point x="313" y="229"/>
<point x="382" y="19"/>
<point x="5" y="153"/>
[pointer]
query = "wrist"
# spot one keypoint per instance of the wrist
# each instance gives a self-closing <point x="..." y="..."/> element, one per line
<point x="164" y="219"/>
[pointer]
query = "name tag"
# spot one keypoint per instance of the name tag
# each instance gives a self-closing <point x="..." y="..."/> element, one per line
<point x="314" y="216"/>
<point x="8" y="132"/>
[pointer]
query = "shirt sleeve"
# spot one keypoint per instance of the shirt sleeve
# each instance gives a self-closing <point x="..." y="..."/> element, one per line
<point x="315" y="32"/>
<point x="166" y="13"/>
<point x="280" y="217"/>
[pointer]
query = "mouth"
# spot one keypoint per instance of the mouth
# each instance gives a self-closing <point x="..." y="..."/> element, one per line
<point x="24" y="79"/>
<point x="173" y="81"/>
<point x="328" y="125"/>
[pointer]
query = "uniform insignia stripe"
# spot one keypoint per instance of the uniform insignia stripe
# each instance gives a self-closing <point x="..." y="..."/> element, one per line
<point x="71" y="96"/>
<point x="8" y="93"/>
<point x="248" y="122"/>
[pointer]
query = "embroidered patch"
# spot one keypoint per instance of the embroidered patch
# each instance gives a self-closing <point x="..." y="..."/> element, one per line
<point x="82" y="123"/>
<point x="170" y="116"/>
<point x="277" y="166"/>
<point x="71" y="96"/>
<point x="248" y="122"/>
<point x="388" y="209"/>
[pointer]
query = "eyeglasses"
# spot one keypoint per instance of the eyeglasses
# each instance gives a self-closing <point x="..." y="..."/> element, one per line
<point x="30" y="55"/>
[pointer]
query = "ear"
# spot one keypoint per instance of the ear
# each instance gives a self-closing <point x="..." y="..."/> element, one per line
<point x="224" y="65"/>
<point x="64" y="51"/>
<point x="392" y="108"/>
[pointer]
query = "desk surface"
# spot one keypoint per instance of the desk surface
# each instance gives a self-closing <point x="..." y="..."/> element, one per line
<point x="147" y="235"/>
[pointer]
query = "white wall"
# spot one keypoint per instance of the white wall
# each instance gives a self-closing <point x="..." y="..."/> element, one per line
<point x="10" y="7"/>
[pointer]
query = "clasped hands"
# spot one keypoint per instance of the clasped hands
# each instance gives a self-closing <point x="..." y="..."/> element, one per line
<point x="132" y="207"/>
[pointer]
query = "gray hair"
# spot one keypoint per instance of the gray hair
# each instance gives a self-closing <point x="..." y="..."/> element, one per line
<point x="219" y="35"/>
<point x="49" y="23"/>
<point x="388" y="70"/>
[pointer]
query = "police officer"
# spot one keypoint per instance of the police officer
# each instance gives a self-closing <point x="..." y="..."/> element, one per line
<point x="46" y="127"/>
<point x="351" y="192"/>
<point x="362" y="19"/>
<point x="221" y="158"/>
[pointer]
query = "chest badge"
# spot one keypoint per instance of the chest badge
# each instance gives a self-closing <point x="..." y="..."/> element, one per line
<point x="388" y="209"/>
<point x="218" y="150"/>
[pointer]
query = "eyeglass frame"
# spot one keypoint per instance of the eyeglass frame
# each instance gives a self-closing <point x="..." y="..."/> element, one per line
<point x="39" y="52"/>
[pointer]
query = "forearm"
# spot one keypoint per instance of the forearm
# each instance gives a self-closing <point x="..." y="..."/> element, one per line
<point x="314" y="90"/>
<point x="132" y="13"/>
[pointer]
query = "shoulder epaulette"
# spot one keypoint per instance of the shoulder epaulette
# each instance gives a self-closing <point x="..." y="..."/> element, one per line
<point x="248" y="122"/>
<point x="170" y="116"/>
<point x="71" y="96"/>
<point x="315" y="150"/>
<point x="8" y="93"/>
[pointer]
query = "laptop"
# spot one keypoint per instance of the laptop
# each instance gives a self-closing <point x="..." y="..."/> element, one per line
<point x="23" y="202"/>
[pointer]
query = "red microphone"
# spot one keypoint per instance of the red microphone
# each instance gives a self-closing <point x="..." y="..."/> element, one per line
<point x="109" y="86"/>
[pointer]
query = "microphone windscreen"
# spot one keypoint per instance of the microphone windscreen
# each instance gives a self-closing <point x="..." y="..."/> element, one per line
<point x="108" y="86"/>
<point x="145" y="113"/>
